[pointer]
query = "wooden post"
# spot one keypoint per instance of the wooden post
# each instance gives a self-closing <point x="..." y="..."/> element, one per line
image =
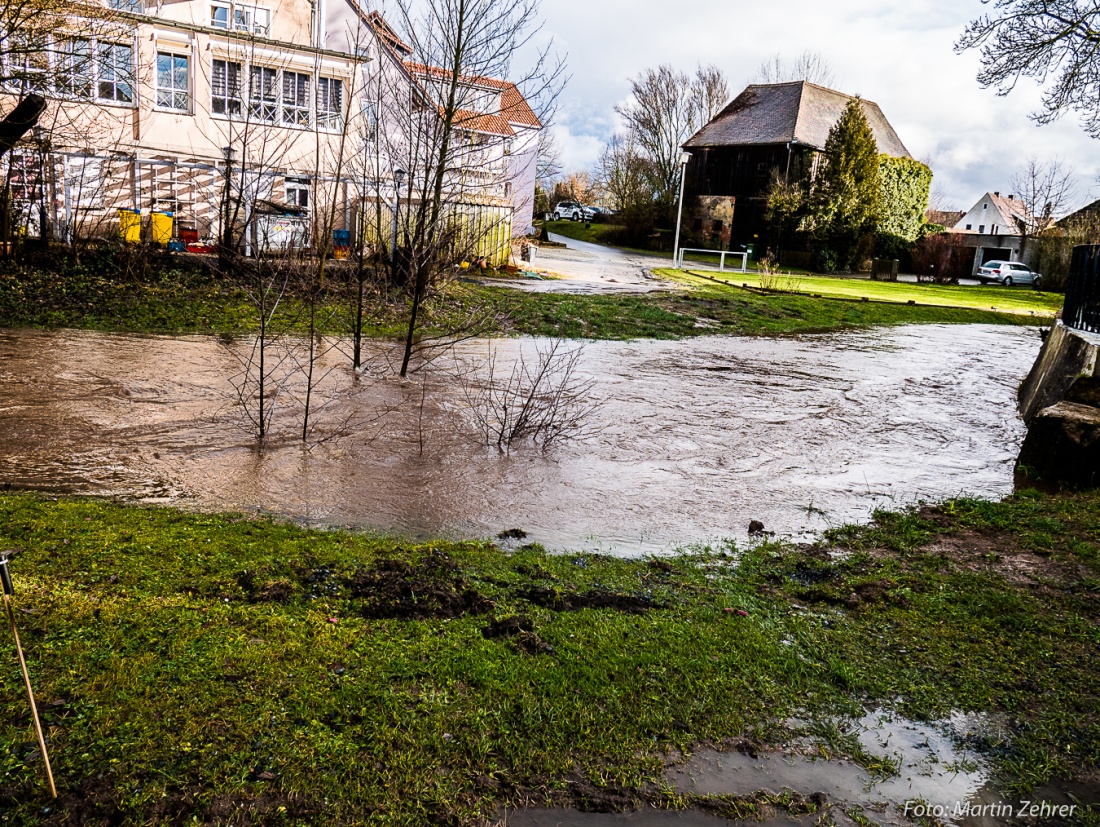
<point x="5" y="579"/>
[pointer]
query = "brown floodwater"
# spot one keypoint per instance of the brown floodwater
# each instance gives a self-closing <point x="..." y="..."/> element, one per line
<point x="686" y="441"/>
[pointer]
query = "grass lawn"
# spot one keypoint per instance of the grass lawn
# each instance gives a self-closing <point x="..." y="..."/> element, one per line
<point x="1023" y="300"/>
<point x="194" y="301"/>
<point x="233" y="670"/>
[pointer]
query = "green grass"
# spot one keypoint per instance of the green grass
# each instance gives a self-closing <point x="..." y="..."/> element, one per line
<point x="183" y="300"/>
<point x="212" y="666"/>
<point x="1021" y="300"/>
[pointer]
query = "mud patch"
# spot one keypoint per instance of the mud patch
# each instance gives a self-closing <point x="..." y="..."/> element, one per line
<point x="429" y="588"/>
<point x="521" y="631"/>
<point x="562" y="600"/>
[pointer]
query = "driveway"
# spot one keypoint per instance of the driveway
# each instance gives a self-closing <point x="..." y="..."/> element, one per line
<point x="581" y="267"/>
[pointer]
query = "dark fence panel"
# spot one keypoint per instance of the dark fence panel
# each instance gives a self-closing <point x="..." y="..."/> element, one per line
<point x="1082" y="308"/>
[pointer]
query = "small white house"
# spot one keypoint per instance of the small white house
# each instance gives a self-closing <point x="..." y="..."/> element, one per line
<point x="993" y="228"/>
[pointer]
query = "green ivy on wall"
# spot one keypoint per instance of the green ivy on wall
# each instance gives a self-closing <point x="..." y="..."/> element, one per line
<point x="904" y="184"/>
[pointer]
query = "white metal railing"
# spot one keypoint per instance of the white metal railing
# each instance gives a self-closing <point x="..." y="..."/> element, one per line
<point x="721" y="260"/>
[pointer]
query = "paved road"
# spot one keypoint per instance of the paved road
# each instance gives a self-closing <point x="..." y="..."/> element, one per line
<point x="592" y="268"/>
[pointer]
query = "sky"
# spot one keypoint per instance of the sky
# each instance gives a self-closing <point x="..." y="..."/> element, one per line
<point x="897" y="54"/>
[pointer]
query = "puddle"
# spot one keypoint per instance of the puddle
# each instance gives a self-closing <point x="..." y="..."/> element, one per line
<point x="687" y="443"/>
<point x="642" y="818"/>
<point x="938" y="774"/>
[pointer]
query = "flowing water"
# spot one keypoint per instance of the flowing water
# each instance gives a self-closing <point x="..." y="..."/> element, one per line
<point x="686" y="442"/>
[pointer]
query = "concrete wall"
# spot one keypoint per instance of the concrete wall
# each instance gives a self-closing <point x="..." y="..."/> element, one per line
<point x="1067" y="355"/>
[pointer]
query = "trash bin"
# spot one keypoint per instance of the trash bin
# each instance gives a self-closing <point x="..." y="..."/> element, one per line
<point x="341" y="243"/>
<point x="160" y="228"/>
<point x="129" y="226"/>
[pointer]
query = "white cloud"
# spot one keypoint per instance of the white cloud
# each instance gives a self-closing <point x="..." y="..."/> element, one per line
<point x="899" y="55"/>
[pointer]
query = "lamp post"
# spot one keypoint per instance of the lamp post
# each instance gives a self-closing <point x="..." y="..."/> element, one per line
<point x="684" y="158"/>
<point x="398" y="177"/>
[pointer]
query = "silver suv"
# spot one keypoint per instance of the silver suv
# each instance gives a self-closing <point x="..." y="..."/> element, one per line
<point x="569" y="209"/>
<point x="1008" y="273"/>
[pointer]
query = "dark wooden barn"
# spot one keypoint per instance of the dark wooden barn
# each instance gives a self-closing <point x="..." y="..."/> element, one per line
<point x="768" y="129"/>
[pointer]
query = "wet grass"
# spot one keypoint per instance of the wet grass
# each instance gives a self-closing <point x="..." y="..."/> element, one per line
<point x="235" y="670"/>
<point x="1024" y="299"/>
<point x="194" y="300"/>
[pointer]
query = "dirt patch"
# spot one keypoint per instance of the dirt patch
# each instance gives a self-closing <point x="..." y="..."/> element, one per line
<point x="521" y="630"/>
<point x="429" y="588"/>
<point x="991" y="551"/>
<point x="561" y="600"/>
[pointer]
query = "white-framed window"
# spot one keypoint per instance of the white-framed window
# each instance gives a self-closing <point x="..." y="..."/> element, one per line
<point x="241" y="17"/>
<point x="225" y="87"/>
<point x="220" y="15"/>
<point x="296" y="98"/>
<point x="263" y="93"/>
<point x="297" y="192"/>
<point x="508" y="144"/>
<point x="85" y="179"/>
<point x="173" y="82"/>
<point x="133" y="6"/>
<point x="74" y="68"/>
<point x="26" y="63"/>
<point x="330" y="103"/>
<point x="115" y="64"/>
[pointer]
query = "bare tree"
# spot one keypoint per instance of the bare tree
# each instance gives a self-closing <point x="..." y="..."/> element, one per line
<point x="451" y="43"/>
<point x="1044" y="190"/>
<point x="808" y="66"/>
<point x="666" y="108"/>
<point x="1054" y="42"/>
<point x="542" y="400"/>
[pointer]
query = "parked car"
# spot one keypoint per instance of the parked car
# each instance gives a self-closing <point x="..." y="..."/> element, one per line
<point x="596" y="212"/>
<point x="1008" y="273"/>
<point x="569" y="209"/>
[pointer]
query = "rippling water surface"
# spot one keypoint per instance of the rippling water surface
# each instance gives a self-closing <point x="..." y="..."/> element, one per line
<point x="687" y="440"/>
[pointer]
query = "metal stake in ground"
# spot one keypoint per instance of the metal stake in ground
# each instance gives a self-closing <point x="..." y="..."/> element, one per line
<point x="5" y="579"/>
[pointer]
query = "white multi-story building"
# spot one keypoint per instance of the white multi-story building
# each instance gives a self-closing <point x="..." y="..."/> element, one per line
<point x="285" y="108"/>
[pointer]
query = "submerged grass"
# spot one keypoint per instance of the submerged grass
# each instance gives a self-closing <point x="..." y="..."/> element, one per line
<point x="195" y="300"/>
<point x="234" y="670"/>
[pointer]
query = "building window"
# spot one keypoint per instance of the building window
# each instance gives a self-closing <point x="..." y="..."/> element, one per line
<point x="296" y="103"/>
<point x="74" y="68"/>
<point x="245" y="18"/>
<point x="507" y="189"/>
<point x="969" y="226"/>
<point x="225" y="86"/>
<point x="132" y="6"/>
<point x="251" y="19"/>
<point x="263" y="95"/>
<point x="985" y="207"/>
<point x="297" y="192"/>
<point x="330" y="103"/>
<point x="219" y="17"/>
<point x="508" y="142"/>
<point x="24" y="176"/>
<point x="116" y="72"/>
<point x="981" y="229"/>
<point x="173" y="82"/>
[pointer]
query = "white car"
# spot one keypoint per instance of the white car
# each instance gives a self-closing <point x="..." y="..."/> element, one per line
<point x="570" y="210"/>
<point x="1008" y="273"/>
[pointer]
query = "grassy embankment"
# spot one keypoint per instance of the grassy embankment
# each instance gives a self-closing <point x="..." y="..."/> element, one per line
<point x="237" y="670"/>
<point x="1023" y="300"/>
<point x="193" y="300"/>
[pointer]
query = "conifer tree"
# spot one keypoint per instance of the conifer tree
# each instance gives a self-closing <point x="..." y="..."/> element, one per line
<point x="845" y="199"/>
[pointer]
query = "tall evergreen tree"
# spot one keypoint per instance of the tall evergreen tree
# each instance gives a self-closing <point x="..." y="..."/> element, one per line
<point x="845" y="199"/>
